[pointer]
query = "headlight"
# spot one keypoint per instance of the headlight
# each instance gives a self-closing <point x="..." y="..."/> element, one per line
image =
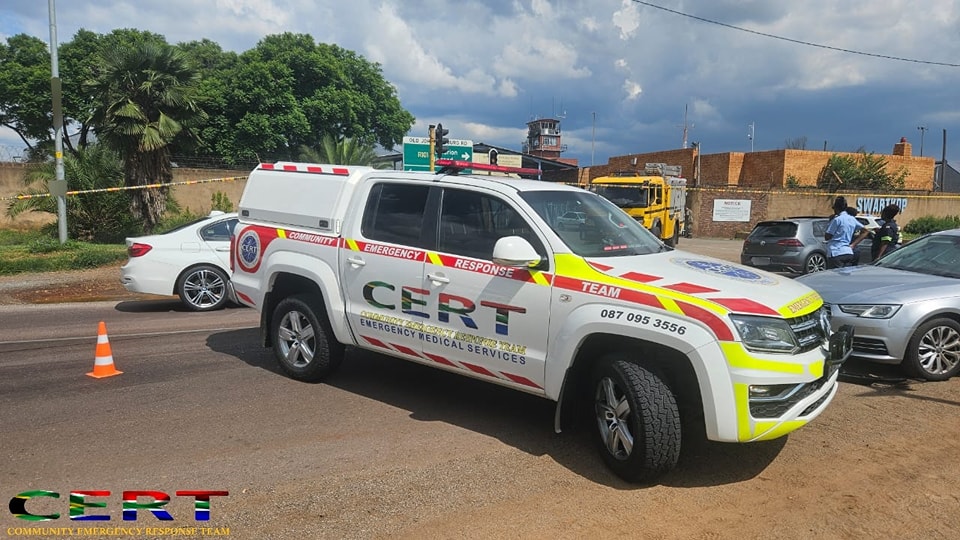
<point x="765" y="334"/>
<point x="870" y="311"/>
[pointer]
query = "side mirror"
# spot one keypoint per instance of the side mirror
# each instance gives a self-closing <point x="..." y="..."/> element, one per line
<point x="515" y="251"/>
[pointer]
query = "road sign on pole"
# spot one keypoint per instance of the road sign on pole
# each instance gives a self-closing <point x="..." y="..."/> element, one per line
<point x="416" y="152"/>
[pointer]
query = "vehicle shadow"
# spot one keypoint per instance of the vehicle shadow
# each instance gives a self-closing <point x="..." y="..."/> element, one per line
<point x="160" y="305"/>
<point x="520" y="420"/>
<point x="886" y="379"/>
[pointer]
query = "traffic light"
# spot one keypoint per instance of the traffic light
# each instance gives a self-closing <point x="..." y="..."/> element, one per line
<point x="493" y="156"/>
<point x="440" y="146"/>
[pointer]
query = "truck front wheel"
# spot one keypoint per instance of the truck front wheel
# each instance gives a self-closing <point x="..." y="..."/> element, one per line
<point x="637" y="420"/>
<point x="303" y="344"/>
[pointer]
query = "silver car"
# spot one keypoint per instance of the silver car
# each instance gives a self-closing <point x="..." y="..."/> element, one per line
<point x="904" y="308"/>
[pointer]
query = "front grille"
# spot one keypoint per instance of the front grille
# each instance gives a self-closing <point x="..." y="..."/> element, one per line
<point x="810" y="334"/>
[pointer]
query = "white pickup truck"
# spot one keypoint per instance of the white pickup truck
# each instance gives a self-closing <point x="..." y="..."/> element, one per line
<point x="476" y="275"/>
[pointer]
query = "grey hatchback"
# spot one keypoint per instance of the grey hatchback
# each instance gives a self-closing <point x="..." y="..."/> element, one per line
<point x="791" y="244"/>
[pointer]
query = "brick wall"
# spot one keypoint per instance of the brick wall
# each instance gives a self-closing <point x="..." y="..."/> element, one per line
<point x="770" y="168"/>
<point x="766" y="204"/>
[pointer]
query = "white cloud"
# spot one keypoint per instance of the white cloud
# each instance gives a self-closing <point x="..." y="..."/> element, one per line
<point x="540" y="57"/>
<point x="541" y="8"/>
<point x="589" y="24"/>
<point x="632" y="89"/>
<point x="627" y="19"/>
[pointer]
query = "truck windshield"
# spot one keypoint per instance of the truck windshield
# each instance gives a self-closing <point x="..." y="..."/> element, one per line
<point x="622" y="196"/>
<point x="592" y="226"/>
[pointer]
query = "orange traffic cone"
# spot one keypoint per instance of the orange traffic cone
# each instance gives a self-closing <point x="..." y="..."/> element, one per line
<point x="103" y="362"/>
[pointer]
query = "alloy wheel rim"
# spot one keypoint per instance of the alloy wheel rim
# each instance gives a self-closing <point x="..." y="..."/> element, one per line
<point x="613" y="416"/>
<point x="204" y="288"/>
<point x="296" y="338"/>
<point x="939" y="350"/>
<point x="816" y="264"/>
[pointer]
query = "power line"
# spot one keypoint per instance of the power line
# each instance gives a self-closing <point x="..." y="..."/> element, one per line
<point x="809" y="44"/>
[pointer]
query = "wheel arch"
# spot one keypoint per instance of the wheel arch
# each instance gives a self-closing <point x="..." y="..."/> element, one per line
<point x="671" y="365"/>
<point x="285" y="284"/>
<point x="942" y="313"/>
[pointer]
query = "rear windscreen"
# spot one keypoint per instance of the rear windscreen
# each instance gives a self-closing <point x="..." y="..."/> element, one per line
<point x="777" y="229"/>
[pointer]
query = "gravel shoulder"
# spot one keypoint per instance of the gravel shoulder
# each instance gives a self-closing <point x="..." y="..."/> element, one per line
<point x="89" y="285"/>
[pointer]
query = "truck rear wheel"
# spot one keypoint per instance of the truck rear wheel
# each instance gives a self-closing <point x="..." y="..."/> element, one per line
<point x="675" y="239"/>
<point x="637" y="418"/>
<point x="303" y="341"/>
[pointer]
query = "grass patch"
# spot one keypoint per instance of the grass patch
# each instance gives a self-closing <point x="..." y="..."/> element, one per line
<point x="33" y="252"/>
<point x="10" y="237"/>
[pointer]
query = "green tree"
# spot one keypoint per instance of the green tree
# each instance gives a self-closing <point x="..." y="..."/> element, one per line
<point x="100" y="217"/>
<point x="145" y="100"/>
<point x="289" y="92"/>
<point x="25" y="101"/>
<point x="25" y="97"/>
<point x="864" y="171"/>
<point x="342" y="152"/>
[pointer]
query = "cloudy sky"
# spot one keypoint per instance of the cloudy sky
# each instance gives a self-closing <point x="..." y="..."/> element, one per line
<point x="620" y="74"/>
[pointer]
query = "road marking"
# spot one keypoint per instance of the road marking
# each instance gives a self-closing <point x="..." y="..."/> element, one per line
<point x="115" y="336"/>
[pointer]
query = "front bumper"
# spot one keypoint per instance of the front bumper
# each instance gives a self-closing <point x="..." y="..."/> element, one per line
<point x="876" y="340"/>
<point x="793" y="404"/>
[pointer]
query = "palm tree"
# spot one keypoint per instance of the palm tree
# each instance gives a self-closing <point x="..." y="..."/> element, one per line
<point x="145" y="95"/>
<point x="344" y="151"/>
<point x="102" y="216"/>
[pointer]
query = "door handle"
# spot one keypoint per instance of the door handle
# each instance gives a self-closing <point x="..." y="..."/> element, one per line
<point x="356" y="261"/>
<point x="438" y="279"/>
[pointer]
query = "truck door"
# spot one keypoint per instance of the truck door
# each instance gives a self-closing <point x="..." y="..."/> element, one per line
<point x="491" y="320"/>
<point x="382" y="269"/>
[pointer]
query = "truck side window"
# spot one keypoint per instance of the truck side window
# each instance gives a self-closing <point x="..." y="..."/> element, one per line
<point x="471" y="223"/>
<point x="394" y="213"/>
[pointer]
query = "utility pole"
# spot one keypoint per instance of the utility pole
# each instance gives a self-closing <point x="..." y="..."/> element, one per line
<point x="923" y="130"/>
<point x="943" y="162"/>
<point x="750" y="134"/>
<point x="58" y="188"/>
<point x="593" y="142"/>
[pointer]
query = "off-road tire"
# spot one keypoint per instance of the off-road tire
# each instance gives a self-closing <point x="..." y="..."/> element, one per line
<point x="303" y="341"/>
<point x="637" y="420"/>
<point x="933" y="352"/>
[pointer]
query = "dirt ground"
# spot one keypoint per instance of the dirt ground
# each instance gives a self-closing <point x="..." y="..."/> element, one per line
<point x="883" y="461"/>
<point x="55" y="287"/>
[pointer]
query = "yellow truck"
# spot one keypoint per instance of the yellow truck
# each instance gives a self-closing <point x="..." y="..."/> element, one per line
<point x="655" y="197"/>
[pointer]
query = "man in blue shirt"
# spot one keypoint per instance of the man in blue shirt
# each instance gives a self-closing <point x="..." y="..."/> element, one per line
<point x="839" y="235"/>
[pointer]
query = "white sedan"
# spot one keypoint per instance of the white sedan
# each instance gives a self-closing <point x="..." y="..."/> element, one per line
<point x="191" y="261"/>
